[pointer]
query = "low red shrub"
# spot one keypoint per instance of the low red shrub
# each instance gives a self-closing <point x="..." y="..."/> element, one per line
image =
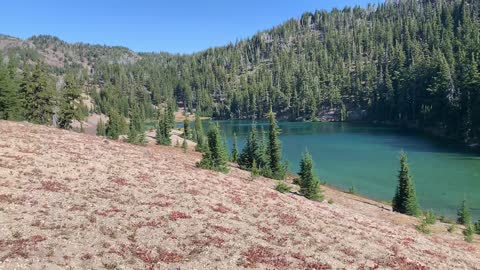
<point x="178" y="215"/>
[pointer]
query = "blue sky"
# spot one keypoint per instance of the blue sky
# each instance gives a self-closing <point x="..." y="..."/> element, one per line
<point x="176" y="26"/>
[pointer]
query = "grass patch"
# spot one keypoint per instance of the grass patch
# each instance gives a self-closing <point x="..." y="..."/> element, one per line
<point x="282" y="187"/>
<point x="445" y="219"/>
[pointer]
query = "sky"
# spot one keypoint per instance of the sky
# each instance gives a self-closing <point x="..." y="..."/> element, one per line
<point x="175" y="26"/>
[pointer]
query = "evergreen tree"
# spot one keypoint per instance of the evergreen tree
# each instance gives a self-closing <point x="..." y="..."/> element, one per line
<point x="162" y="135"/>
<point x="69" y="103"/>
<point x="186" y="128"/>
<point x="309" y="186"/>
<point x="262" y="158"/>
<point x="199" y="135"/>
<point x="170" y="116"/>
<point x="215" y="158"/>
<point x="463" y="214"/>
<point x="114" y="125"/>
<point x="132" y="134"/>
<point x="38" y="96"/>
<point x="275" y="149"/>
<point x="234" y="155"/>
<point x="101" y="128"/>
<point x="405" y="199"/>
<point x="136" y="133"/>
<point x="9" y="98"/>
<point x="251" y="151"/>
<point x="468" y="232"/>
<point x="255" y="171"/>
<point x="159" y="135"/>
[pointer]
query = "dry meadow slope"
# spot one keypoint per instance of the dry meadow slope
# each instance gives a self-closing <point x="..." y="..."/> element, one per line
<point x="69" y="200"/>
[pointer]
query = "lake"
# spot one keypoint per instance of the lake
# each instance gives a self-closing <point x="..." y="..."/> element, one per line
<point x="365" y="156"/>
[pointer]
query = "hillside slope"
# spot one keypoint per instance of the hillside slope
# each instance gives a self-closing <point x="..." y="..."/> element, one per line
<point x="407" y="62"/>
<point x="73" y="200"/>
<point x="61" y="55"/>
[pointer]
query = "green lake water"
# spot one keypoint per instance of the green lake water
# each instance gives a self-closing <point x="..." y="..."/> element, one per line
<point x="365" y="156"/>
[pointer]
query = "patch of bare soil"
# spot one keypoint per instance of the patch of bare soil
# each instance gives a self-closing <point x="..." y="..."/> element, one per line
<point x="74" y="201"/>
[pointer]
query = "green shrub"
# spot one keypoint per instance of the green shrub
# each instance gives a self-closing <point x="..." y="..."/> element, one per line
<point x="452" y="228"/>
<point x="445" y="219"/>
<point x="310" y="187"/>
<point x="430" y="217"/>
<point x="477" y="227"/>
<point x="463" y="214"/>
<point x="297" y="181"/>
<point x="330" y="201"/>
<point x="255" y="170"/>
<point x="282" y="187"/>
<point x="423" y="227"/>
<point x="352" y="190"/>
<point x="468" y="233"/>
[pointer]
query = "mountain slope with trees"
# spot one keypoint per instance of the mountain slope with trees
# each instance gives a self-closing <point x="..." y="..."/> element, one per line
<point x="409" y="62"/>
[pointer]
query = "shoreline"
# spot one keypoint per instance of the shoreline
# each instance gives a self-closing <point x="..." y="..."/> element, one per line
<point x="385" y="205"/>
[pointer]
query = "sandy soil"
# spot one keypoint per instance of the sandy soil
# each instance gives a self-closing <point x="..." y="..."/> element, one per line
<point x="75" y="201"/>
<point x="180" y="116"/>
<point x="90" y="123"/>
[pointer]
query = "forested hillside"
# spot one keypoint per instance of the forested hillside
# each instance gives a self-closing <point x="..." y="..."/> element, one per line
<point x="409" y="62"/>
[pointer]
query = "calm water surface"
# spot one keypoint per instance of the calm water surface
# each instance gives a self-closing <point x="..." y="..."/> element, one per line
<point x="366" y="157"/>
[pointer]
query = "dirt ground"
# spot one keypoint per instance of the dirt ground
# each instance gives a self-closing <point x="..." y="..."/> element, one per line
<point x="76" y="201"/>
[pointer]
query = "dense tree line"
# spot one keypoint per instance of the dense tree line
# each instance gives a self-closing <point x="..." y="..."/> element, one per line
<point x="260" y="154"/>
<point x="410" y="62"/>
<point x="35" y="96"/>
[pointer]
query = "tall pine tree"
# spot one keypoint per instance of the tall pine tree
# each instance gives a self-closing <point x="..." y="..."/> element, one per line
<point x="309" y="185"/>
<point x="38" y="96"/>
<point x="199" y="135"/>
<point x="186" y="128"/>
<point x="136" y="133"/>
<point x="9" y="97"/>
<point x="464" y="216"/>
<point x="251" y="151"/>
<point x="69" y="103"/>
<point x="234" y="155"/>
<point x="405" y="199"/>
<point x="162" y="135"/>
<point x="275" y="149"/>
<point x="114" y="125"/>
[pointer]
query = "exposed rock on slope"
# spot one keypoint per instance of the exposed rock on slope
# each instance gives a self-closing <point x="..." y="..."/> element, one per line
<point x="73" y="200"/>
